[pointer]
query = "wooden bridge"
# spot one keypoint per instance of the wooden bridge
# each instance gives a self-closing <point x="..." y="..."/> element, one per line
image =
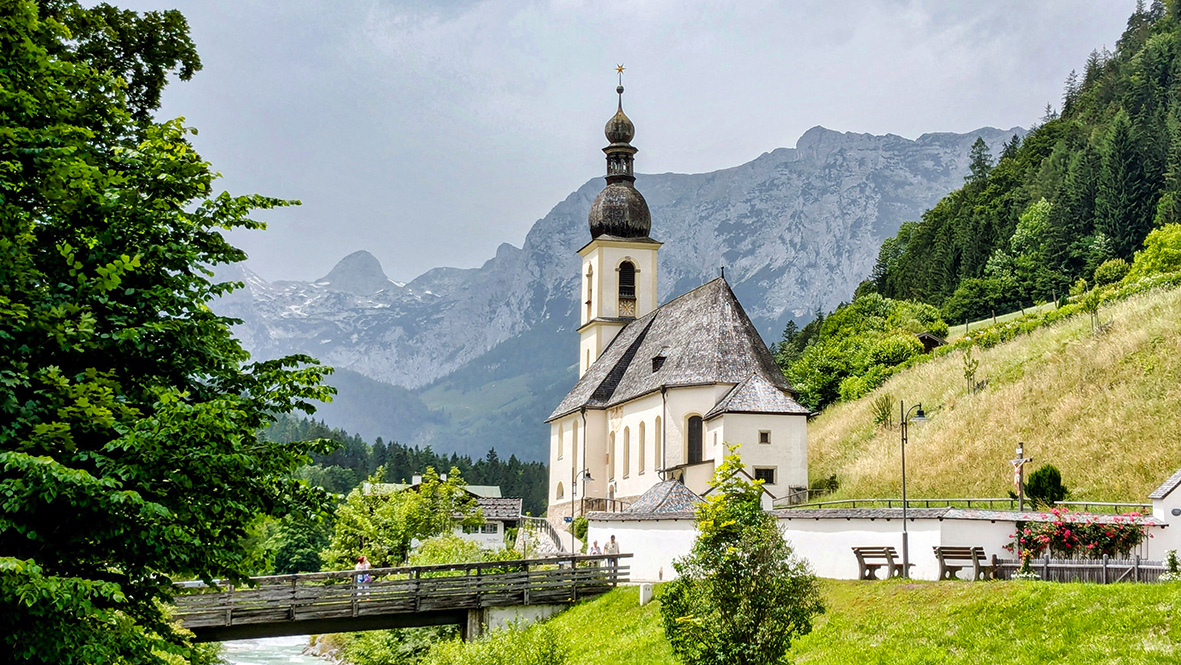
<point x="343" y="601"/>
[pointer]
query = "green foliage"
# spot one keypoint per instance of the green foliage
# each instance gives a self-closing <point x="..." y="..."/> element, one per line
<point x="1086" y="186"/>
<point x="1110" y="272"/>
<point x="579" y="526"/>
<point x="970" y="366"/>
<point x="128" y="412"/>
<point x="381" y="523"/>
<point x="354" y="460"/>
<point x="384" y="647"/>
<point x="298" y="545"/>
<point x="539" y="645"/>
<point x="883" y="410"/>
<point x="857" y="347"/>
<point x="741" y="596"/>
<point x="1067" y="535"/>
<point x="1161" y="254"/>
<point x="1045" y="486"/>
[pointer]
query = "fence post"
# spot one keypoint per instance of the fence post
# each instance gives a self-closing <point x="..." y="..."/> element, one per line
<point x="417" y="589"/>
<point x="230" y="605"/>
<point x="1046" y="568"/>
<point x="527" y="583"/>
<point x="1136" y="569"/>
<point x="573" y="578"/>
<point x="1105" y="569"/>
<point x="291" y="609"/>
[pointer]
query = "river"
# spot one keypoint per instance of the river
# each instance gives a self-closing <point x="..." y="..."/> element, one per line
<point x="269" y="651"/>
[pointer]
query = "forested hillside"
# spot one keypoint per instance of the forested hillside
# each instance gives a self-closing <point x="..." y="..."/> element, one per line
<point x="354" y="460"/>
<point x="1084" y="187"/>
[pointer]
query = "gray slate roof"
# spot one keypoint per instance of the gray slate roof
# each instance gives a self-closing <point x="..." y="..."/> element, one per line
<point x="707" y="338"/>
<point x="756" y="395"/>
<point x="1167" y="487"/>
<point x="497" y="508"/>
<point x="669" y="496"/>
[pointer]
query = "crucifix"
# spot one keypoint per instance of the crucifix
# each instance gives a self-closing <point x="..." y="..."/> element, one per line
<point x="1019" y="474"/>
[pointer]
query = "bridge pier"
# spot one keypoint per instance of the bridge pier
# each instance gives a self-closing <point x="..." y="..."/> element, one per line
<point x="484" y="619"/>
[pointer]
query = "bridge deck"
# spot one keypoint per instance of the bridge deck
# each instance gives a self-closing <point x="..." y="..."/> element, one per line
<point x="394" y="597"/>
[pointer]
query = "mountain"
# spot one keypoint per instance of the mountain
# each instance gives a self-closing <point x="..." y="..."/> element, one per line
<point x="490" y="350"/>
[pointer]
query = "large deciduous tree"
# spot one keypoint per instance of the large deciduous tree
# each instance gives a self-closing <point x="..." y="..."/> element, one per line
<point x="128" y="412"/>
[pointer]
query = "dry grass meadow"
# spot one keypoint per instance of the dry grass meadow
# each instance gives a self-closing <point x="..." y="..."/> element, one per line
<point x="1104" y="408"/>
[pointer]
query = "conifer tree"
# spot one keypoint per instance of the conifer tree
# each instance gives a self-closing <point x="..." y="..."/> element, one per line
<point x="979" y="162"/>
<point x="1123" y="205"/>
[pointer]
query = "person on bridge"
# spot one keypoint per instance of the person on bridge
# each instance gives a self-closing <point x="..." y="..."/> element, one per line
<point x="595" y="549"/>
<point x="363" y="579"/>
<point x="612" y="546"/>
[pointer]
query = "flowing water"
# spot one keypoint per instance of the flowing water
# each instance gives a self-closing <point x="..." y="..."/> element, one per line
<point x="269" y="651"/>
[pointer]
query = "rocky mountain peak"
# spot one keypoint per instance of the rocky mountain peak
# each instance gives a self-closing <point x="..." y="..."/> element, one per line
<point x="359" y="273"/>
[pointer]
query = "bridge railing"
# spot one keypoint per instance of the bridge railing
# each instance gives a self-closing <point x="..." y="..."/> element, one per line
<point x="402" y="590"/>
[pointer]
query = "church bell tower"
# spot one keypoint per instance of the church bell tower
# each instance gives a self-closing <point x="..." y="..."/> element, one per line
<point x="619" y="263"/>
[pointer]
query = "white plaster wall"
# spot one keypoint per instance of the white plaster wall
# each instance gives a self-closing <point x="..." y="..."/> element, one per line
<point x="687" y="401"/>
<point x="1168" y="538"/>
<point x="604" y="256"/>
<point x="827" y="544"/>
<point x="640" y="477"/>
<point x="491" y="541"/>
<point x="787" y="452"/>
<point x="654" y="544"/>
<point x="518" y="616"/>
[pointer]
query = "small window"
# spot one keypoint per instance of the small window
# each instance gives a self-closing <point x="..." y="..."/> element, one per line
<point x="695" y="452"/>
<point x="765" y="474"/>
<point x="561" y="493"/>
<point x="561" y="442"/>
<point x="490" y="527"/>
<point x="765" y="436"/>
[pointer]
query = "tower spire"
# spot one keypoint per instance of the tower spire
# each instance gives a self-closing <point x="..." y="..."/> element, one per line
<point x="620" y="210"/>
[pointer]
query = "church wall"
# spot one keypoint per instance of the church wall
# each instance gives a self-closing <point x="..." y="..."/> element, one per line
<point x="646" y="410"/>
<point x="686" y="402"/>
<point x="605" y="260"/>
<point x="653" y="544"/>
<point x="787" y="453"/>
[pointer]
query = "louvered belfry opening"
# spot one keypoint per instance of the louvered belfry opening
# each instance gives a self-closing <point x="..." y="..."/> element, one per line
<point x="695" y="436"/>
<point x="627" y="289"/>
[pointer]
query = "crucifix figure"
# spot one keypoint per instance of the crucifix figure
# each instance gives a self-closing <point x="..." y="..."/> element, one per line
<point x="1019" y="474"/>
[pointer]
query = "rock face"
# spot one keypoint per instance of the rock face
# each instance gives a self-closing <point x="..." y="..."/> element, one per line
<point x="796" y="229"/>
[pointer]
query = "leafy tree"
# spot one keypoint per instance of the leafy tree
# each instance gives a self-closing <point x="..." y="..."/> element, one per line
<point x="128" y="412"/>
<point x="741" y="595"/>
<point x="381" y="522"/>
<point x="1161" y="253"/>
<point x="1110" y="272"/>
<point x="298" y="546"/>
<point x="1045" y="486"/>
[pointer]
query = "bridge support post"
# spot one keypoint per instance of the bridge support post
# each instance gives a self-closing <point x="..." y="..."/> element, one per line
<point x="473" y="628"/>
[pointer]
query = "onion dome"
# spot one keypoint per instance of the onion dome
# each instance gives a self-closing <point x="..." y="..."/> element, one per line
<point x="620" y="210"/>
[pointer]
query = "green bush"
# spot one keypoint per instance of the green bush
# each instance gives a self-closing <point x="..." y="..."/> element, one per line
<point x="537" y="645"/>
<point x="1161" y="253"/>
<point x="579" y="526"/>
<point x="1045" y="486"/>
<point x="1110" y="272"/>
<point x="741" y="595"/>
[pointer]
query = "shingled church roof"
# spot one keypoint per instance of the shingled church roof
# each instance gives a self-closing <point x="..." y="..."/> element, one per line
<point x="756" y="395"/>
<point x="702" y="337"/>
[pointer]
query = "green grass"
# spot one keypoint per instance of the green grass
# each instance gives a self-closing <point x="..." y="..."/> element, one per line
<point x="903" y="623"/>
<point x="957" y="331"/>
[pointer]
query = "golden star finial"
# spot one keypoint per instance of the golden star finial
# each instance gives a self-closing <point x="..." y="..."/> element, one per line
<point x="619" y="70"/>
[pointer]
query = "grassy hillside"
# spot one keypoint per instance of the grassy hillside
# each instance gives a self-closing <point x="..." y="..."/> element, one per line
<point x="922" y="622"/>
<point x="1102" y="408"/>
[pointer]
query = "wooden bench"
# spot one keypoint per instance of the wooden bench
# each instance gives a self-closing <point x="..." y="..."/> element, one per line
<point x="974" y="555"/>
<point x="869" y="559"/>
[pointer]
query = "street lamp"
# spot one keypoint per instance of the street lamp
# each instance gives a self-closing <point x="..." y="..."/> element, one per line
<point x="574" y="478"/>
<point x="919" y="417"/>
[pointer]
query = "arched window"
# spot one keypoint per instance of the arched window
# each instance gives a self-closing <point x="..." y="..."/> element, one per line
<point x="611" y="457"/>
<point x="659" y="453"/>
<point x="643" y="456"/>
<point x="590" y="290"/>
<point x="695" y="436"/>
<point x="561" y="493"/>
<point x="574" y="444"/>
<point x="561" y="436"/>
<point x="627" y="451"/>
<point x="627" y="289"/>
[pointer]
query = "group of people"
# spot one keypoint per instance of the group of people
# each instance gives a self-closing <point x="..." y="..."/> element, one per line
<point x="611" y="548"/>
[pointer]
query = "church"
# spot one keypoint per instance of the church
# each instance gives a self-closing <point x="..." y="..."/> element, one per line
<point x="662" y="390"/>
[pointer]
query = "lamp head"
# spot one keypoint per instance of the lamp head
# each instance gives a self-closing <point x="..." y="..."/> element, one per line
<point x="586" y="474"/>
<point x="919" y="417"/>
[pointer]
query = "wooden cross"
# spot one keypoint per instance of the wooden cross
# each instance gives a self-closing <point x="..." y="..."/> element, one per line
<point x="1019" y="474"/>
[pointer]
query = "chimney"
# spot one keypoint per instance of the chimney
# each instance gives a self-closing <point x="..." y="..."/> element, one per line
<point x="416" y="479"/>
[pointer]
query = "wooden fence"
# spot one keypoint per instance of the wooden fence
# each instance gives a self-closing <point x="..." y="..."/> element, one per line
<point x="393" y="591"/>
<point x="1099" y="571"/>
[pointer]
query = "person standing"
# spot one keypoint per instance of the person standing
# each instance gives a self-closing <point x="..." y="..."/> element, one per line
<point x="612" y="546"/>
<point x="364" y="578"/>
<point x="595" y="549"/>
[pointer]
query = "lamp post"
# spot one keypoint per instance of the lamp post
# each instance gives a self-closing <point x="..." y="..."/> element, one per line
<point x="574" y="478"/>
<point x="919" y="417"/>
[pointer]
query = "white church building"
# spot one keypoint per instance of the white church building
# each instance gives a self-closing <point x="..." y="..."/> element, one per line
<point x="662" y="390"/>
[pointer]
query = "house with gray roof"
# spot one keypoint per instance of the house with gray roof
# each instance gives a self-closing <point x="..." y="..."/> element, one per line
<point x="662" y="390"/>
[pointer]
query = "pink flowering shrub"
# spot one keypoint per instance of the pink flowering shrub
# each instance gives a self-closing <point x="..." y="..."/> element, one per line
<point x="1068" y="535"/>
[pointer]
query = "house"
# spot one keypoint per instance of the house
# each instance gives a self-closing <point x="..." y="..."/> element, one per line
<point x="500" y="513"/>
<point x="662" y="389"/>
<point x="930" y="341"/>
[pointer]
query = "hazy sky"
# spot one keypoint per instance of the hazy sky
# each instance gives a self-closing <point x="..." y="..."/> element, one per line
<point x="430" y="132"/>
